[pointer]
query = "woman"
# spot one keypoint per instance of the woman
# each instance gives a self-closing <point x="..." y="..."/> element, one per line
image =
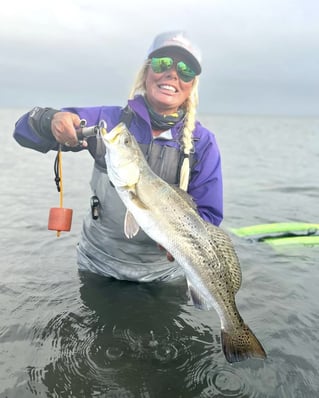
<point x="161" y="115"/>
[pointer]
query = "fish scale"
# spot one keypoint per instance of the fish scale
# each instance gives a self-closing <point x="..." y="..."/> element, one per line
<point x="169" y="217"/>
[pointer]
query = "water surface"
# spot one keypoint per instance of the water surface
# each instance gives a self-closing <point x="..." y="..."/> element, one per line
<point x="65" y="334"/>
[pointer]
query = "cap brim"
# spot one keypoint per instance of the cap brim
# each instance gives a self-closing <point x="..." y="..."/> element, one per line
<point x="187" y="56"/>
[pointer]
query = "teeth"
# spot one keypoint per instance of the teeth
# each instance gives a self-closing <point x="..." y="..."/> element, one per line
<point x="166" y="87"/>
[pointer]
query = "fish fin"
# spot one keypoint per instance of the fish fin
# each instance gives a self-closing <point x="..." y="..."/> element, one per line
<point x="131" y="227"/>
<point x="136" y="200"/>
<point x="197" y="298"/>
<point x="241" y="345"/>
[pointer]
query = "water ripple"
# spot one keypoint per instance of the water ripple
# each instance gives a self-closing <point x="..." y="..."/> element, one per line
<point x="218" y="381"/>
<point x="226" y="382"/>
<point x="96" y="355"/>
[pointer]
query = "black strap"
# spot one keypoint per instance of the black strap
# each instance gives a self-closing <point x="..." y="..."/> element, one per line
<point x="127" y="116"/>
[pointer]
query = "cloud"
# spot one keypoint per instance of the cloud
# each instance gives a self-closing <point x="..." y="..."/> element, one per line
<point x="80" y="51"/>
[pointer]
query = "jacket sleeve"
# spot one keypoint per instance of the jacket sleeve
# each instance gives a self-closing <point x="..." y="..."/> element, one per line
<point x="33" y="130"/>
<point x="206" y="186"/>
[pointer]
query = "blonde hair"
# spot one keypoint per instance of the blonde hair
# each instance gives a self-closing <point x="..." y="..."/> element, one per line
<point x="190" y="107"/>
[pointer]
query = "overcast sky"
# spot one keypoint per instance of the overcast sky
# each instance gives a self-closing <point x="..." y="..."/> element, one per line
<point x="259" y="56"/>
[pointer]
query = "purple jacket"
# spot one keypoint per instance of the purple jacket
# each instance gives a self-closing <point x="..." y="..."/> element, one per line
<point x="205" y="184"/>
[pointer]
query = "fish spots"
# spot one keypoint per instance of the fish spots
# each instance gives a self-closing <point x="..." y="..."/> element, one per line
<point x="204" y="251"/>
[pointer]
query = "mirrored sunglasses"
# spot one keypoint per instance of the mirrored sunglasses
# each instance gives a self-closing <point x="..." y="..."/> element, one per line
<point x="184" y="72"/>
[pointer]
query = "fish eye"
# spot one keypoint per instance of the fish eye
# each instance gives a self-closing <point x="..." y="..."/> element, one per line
<point x="126" y="140"/>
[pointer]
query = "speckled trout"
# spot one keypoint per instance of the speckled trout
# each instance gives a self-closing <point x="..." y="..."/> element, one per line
<point x="169" y="217"/>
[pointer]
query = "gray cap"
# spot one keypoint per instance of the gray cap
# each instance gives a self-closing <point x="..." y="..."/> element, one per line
<point x="179" y="41"/>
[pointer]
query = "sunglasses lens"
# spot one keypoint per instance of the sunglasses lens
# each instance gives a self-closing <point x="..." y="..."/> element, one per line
<point x="185" y="72"/>
<point x="160" y="65"/>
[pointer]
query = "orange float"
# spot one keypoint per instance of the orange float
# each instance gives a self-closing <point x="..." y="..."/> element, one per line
<point x="60" y="218"/>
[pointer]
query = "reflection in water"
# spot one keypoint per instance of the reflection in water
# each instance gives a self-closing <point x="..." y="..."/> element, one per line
<point x="124" y="339"/>
<point x="131" y="340"/>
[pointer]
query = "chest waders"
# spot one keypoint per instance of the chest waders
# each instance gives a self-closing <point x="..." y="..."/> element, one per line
<point x="103" y="247"/>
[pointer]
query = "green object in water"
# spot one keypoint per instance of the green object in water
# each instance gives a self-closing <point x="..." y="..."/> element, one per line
<point x="279" y="234"/>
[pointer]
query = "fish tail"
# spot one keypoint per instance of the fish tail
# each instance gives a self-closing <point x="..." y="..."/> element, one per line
<point x="241" y="344"/>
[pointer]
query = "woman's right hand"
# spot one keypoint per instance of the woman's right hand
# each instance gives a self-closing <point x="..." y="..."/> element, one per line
<point x="63" y="126"/>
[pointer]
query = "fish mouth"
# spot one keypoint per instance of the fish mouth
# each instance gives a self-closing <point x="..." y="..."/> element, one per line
<point x="111" y="137"/>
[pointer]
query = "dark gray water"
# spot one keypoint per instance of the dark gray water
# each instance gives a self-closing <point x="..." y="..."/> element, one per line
<point x="65" y="334"/>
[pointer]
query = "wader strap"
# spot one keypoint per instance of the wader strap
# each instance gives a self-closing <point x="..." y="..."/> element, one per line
<point x="127" y="116"/>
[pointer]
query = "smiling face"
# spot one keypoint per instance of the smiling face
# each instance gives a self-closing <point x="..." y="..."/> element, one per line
<point x="166" y="92"/>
